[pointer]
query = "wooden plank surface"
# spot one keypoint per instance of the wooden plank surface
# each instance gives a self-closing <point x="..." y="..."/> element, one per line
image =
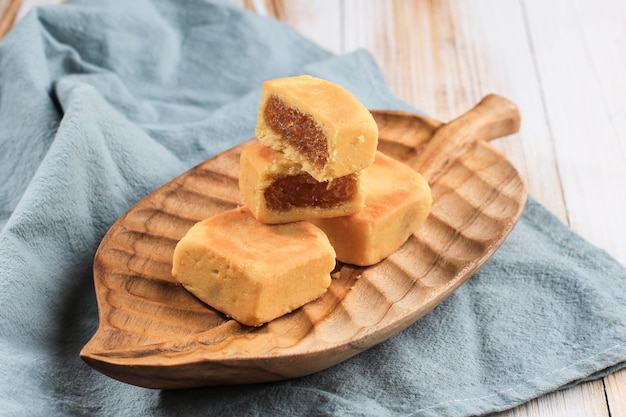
<point x="8" y="12"/>
<point x="560" y="61"/>
<point x="557" y="61"/>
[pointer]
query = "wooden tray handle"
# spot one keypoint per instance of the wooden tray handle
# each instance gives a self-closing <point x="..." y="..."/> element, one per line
<point x="493" y="117"/>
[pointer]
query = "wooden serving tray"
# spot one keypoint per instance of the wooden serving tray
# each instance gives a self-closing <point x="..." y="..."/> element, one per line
<point x="155" y="334"/>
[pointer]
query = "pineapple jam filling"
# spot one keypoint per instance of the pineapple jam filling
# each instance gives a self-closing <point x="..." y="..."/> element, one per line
<point x="298" y="129"/>
<point x="302" y="190"/>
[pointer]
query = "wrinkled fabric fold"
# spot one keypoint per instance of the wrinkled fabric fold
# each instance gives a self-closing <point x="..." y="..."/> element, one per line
<point x="100" y="104"/>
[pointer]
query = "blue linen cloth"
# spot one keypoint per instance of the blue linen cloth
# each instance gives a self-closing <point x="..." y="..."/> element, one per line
<point x="102" y="102"/>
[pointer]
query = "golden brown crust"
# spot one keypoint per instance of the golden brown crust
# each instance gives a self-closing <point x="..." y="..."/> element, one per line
<point x="278" y="191"/>
<point x="251" y="271"/>
<point x="349" y="131"/>
<point x="397" y="201"/>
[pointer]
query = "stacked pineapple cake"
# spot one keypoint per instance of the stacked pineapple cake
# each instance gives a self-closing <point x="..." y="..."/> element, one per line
<point x="315" y="190"/>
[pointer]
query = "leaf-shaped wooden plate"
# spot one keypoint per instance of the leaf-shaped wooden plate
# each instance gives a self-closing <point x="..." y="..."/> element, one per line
<point x="155" y="334"/>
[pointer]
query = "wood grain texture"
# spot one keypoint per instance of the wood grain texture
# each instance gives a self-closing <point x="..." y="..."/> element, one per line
<point x="562" y="65"/>
<point x="8" y="12"/>
<point x="616" y="392"/>
<point x="443" y="56"/>
<point x="155" y="334"/>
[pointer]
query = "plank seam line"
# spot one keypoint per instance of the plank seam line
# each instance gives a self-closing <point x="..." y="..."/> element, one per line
<point x="531" y="47"/>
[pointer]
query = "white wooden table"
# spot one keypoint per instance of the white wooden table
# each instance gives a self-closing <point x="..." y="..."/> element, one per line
<point x="561" y="61"/>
